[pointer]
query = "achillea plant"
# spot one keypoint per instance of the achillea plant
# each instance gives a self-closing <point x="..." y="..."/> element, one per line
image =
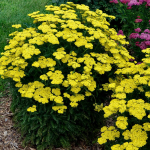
<point x="131" y="105"/>
<point x="57" y="67"/>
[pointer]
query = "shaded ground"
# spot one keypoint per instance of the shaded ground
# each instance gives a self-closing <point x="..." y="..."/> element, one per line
<point x="10" y="139"/>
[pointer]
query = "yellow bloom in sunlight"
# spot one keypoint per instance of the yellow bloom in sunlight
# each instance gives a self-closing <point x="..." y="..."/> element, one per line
<point x="59" y="55"/>
<point x="98" y="108"/>
<point x="137" y="136"/>
<point x="89" y="45"/>
<point x="109" y="133"/>
<point x="44" y="77"/>
<point x="32" y="109"/>
<point x="36" y="64"/>
<point x="122" y="122"/>
<point x="88" y="93"/>
<point x="60" y="109"/>
<point x="16" y="26"/>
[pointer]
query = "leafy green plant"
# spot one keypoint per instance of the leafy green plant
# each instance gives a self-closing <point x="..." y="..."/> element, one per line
<point x="57" y="68"/>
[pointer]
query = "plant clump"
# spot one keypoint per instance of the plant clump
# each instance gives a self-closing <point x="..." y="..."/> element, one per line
<point x="57" y="68"/>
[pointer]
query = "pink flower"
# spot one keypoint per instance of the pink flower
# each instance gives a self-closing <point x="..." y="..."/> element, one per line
<point x="147" y="30"/>
<point x="134" y="35"/>
<point x="147" y="43"/>
<point x="137" y="43"/>
<point x="148" y="2"/>
<point x="133" y="2"/>
<point x="138" y="30"/>
<point x="148" y="37"/>
<point x="141" y="1"/>
<point x="145" y="36"/>
<point x="114" y="1"/>
<point x="142" y="45"/>
<point x="138" y="20"/>
<point x="124" y="1"/>
<point x="120" y="32"/>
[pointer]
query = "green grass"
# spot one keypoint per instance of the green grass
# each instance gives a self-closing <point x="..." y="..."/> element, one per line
<point x="15" y="12"/>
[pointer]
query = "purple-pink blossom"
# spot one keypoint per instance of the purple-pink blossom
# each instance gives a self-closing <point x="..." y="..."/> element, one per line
<point x="142" y="45"/>
<point x="137" y="30"/>
<point x="137" y="43"/>
<point x="138" y="20"/>
<point x="145" y="36"/>
<point x="147" y="43"/>
<point x="147" y="30"/>
<point x="114" y="1"/>
<point x="148" y="37"/>
<point x="147" y="2"/>
<point x="133" y="2"/>
<point x="120" y="32"/>
<point x="134" y="35"/>
<point x="124" y="1"/>
<point x="141" y="1"/>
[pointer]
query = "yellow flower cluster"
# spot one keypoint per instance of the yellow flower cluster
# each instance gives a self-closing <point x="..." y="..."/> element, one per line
<point x="115" y="106"/>
<point x="137" y="136"/>
<point x="122" y="122"/>
<point x="44" y="63"/>
<point x="137" y="108"/>
<point x="32" y="109"/>
<point x="59" y="109"/>
<point x="134" y="107"/>
<point x="108" y="133"/>
<point x="124" y="146"/>
<point x="98" y="108"/>
<point x="16" y="26"/>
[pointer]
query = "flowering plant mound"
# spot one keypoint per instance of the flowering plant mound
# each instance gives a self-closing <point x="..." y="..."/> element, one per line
<point x="57" y="68"/>
<point x="131" y="106"/>
<point x="72" y="50"/>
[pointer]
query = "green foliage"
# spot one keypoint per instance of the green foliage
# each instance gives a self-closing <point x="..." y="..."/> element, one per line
<point x="4" y="85"/>
<point x="15" y="11"/>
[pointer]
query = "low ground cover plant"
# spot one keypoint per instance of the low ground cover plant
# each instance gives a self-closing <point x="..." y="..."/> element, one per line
<point x="63" y="68"/>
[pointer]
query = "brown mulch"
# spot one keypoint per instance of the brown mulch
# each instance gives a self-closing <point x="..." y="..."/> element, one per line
<point x="10" y="139"/>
